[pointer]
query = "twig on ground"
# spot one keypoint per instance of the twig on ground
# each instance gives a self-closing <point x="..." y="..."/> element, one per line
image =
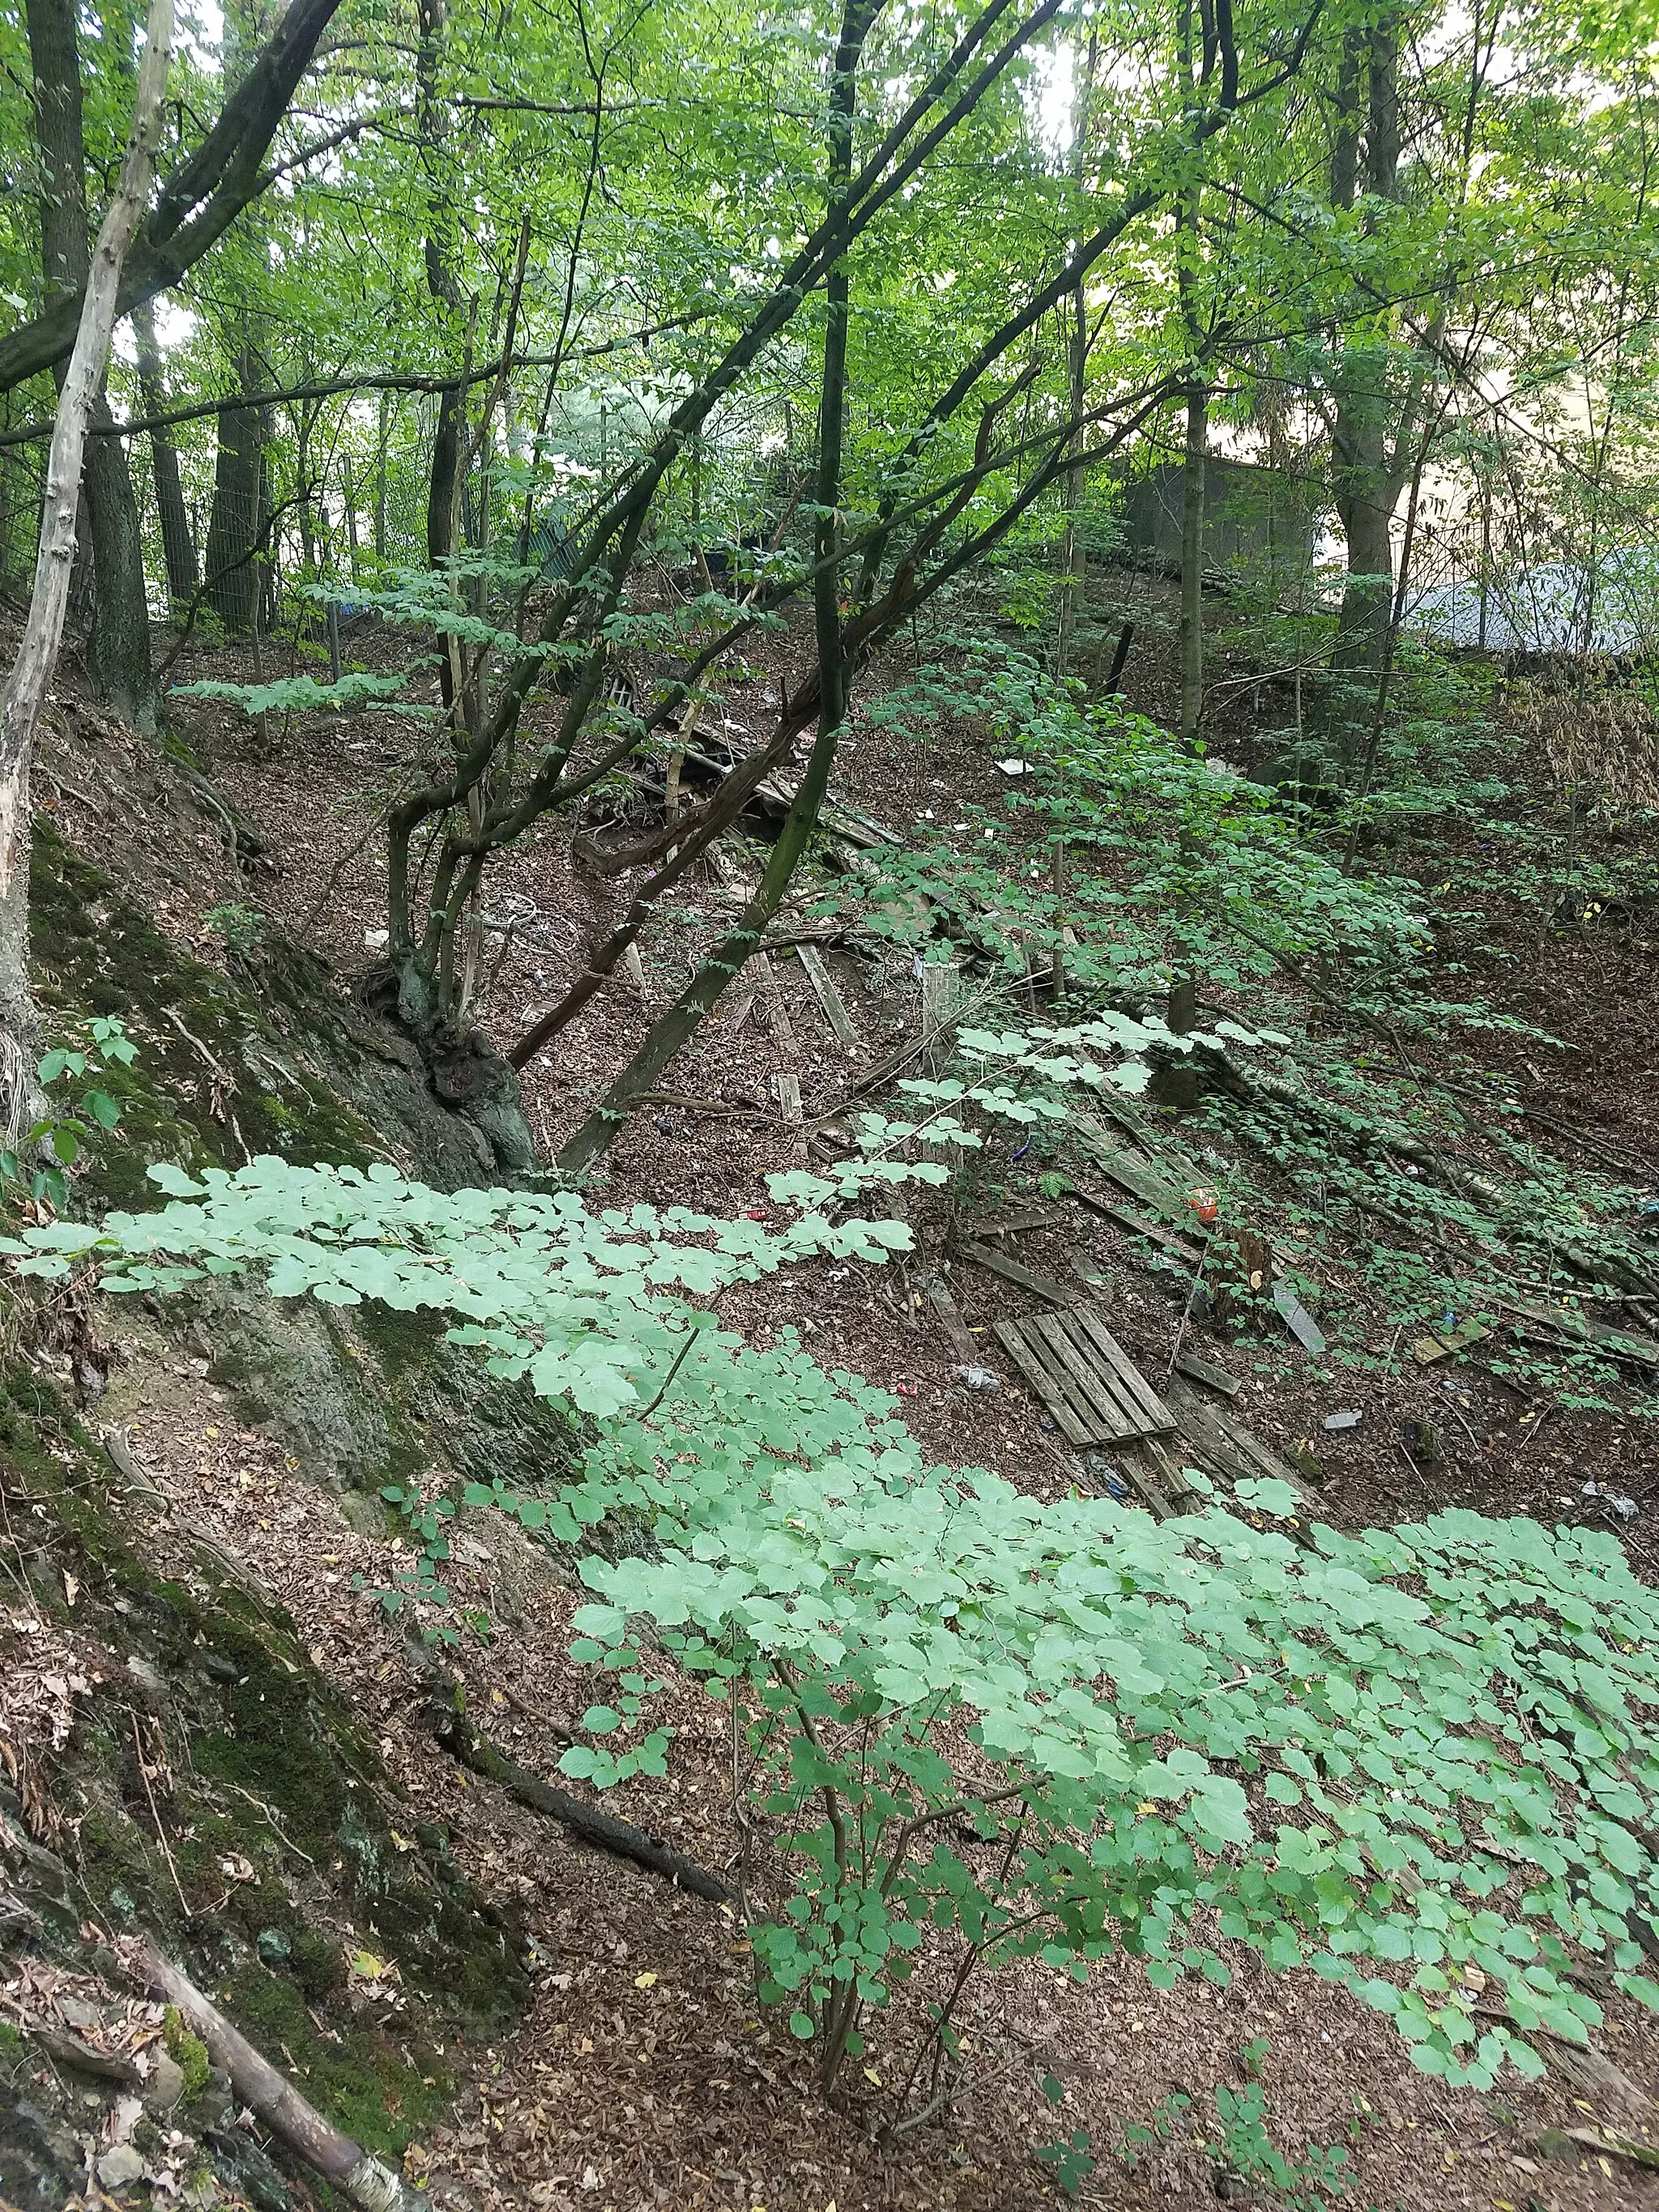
<point x="161" y="1833"/>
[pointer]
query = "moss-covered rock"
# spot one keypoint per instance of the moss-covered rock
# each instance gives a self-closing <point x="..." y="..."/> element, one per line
<point x="227" y="1070"/>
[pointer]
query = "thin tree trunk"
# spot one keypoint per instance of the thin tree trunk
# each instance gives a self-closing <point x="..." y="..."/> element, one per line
<point x="37" y="657"/>
<point x="1192" y="475"/>
<point x="669" y="1035"/>
<point x="1075" y="564"/>
<point x="178" y="539"/>
<point x="379" y="477"/>
<point x="119" y="651"/>
<point x="1368" y="469"/>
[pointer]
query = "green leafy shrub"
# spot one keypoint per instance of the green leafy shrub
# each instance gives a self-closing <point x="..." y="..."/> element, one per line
<point x="239" y="927"/>
<point x="1199" y="868"/>
<point x="1422" y="1761"/>
<point x="63" y="1130"/>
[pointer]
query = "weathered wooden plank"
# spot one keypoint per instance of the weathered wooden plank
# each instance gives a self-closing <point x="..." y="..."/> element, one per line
<point x="1087" y="1269"/>
<point x="786" y="1089"/>
<point x="1143" y="1470"/>
<point x="1167" y="1240"/>
<point x="955" y="1328"/>
<point x="834" y="1006"/>
<point x="1089" y="1402"/>
<point x="1205" y="1371"/>
<point x="1157" y="1414"/>
<point x="1037" y="1374"/>
<point x="1022" y="1220"/>
<point x="1299" y="1322"/>
<point x="777" y="1014"/>
<point x="1044" y="1286"/>
<point x="1127" y="1412"/>
<point x="1221" y="1443"/>
<point x="1138" y="1177"/>
<point x="1089" y="1391"/>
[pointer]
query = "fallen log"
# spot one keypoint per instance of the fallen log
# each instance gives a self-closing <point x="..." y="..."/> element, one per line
<point x="346" y="2165"/>
<point x="457" y="1736"/>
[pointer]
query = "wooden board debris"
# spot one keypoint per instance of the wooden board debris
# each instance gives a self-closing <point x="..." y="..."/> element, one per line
<point x="777" y="1014"/>
<point x="786" y="1089"/>
<point x="1141" y="1224"/>
<point x="1023" y="1221"/>
<point x="1093" y="1389"/>
<point x="986" y="1255"/>
<point x="1200" y="1370"/>
<point x="956" y="1329"/>
<point x="1577" y="1328"/>
<point x="1155" y="1469"/>
<point x="1219" y="1441"/>
<point x="834" y="1006"/>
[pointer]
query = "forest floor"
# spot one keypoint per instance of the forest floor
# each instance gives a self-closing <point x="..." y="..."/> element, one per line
<point x="643" y="2074"/>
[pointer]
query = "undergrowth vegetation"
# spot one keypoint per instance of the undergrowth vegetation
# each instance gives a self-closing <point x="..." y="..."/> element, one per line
<point x="1420" y="1760"/>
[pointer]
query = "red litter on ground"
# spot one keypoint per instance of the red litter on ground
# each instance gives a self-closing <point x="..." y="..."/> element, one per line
<point x="1204" y="1205"/>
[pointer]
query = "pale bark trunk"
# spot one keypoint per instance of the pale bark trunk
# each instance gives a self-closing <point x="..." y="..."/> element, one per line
<point x="120" y="617"/>
<point x="26" y="686"/>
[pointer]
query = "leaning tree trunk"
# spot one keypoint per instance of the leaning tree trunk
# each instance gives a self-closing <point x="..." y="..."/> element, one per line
<point x="676" y="1028"/>
<point x="178" y="539"/>
<point x="37" y="656"/>
<point x="121" y="619"/>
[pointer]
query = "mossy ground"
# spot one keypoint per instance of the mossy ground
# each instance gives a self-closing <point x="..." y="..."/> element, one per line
<point x="96" y="953"/>
<point x="262" y="1761"/>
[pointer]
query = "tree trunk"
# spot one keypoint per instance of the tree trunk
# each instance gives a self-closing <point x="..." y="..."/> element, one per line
<point x="1074" y="559"/>
<point x="201" y="199"/>
<point x="669" y="1036"/>
<point x="120" y="621"/>
<point x="37" y="655"/>
<point x="236" y="526"/>
<point x="1192" y="563"/>
<point x="178" y="539"/>
<point x="1365" y="503"/>
<point x="1367" y="468"/>
<point x="379" y="477"/>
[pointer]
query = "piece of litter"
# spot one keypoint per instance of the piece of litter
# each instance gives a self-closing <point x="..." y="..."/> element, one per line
<point x="1015" y="767"/>
<point x="978" y="1378"/>
<point x="1299" y="1322"/>
<point x="1343" y="1420"/>
<point x="376" y="940"/>
<point x="1614" y="1500"/>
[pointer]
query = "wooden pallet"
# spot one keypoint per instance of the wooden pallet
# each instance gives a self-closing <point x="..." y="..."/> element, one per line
<point x="1094" y="1390"/>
